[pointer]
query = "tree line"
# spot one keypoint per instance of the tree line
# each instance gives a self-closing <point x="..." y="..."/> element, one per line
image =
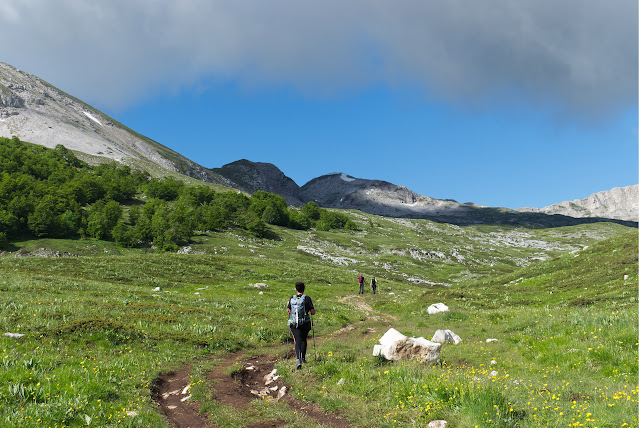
<point x="51" y="193"/>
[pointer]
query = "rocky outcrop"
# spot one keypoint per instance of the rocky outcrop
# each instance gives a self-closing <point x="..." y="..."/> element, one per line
<point x="10" y="99"/>
<point x="619" y="203"/>
<point x="393" y="345"/>
<point x="254" y="176"/>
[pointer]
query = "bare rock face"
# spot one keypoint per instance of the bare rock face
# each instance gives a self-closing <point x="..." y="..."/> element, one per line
<point x="10" y="99"/>
<point x="39" y="113"/>
<point x="376" y="197"/>
<point x="254" y="176"/>
<point x="619" y="203"/>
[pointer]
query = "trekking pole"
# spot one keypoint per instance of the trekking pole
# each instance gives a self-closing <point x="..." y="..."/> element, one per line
<point x="288" y="334"/>
<point x="314" y="348"/>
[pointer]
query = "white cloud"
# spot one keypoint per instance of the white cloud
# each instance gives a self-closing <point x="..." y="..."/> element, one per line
<point x="578" y="55"/>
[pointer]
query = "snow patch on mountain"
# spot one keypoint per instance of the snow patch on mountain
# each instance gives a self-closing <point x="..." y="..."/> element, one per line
<point x="93" y="118"/>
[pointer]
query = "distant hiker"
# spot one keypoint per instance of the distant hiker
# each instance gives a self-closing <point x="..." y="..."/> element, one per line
<point x="299" y="307"/>
<point x="361" y="284"/>
<point x="374" y="285"/>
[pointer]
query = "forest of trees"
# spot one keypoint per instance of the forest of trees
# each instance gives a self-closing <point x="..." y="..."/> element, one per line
<point x="51" y="193"/>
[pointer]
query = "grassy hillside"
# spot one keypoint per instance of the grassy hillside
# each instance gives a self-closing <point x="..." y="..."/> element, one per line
<point x="98" y="330"/>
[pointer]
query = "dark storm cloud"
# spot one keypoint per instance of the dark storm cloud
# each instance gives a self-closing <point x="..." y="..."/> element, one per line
<point x="575" y="56"/>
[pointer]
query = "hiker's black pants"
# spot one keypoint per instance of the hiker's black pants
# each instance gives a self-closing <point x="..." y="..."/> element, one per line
<point x="361" y="288"/>
<point x="299" y="337"/>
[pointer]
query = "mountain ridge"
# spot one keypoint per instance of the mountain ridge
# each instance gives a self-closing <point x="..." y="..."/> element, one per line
<point x="37" y="112"/>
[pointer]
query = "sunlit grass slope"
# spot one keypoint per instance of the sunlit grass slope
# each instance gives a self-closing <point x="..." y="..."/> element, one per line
<point x="565" y="354"/>
<point x="97" y="330"/>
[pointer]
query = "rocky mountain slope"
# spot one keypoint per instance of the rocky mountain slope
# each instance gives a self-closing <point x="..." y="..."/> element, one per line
<point x="619" y="203"/>
<point x="36" y="112"/>
<point x="385" y="199"/>
<point x="253" y="176"/>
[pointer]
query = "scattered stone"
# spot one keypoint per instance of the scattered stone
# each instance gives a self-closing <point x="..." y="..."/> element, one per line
<point x="186" y="389"/>
<point x="187" y="398"/>
<point x="261" y="293"/>
<point x="493" y="373"/>
<point x="437" y="424"/>
<point x="157" y="289"/>
<point x="259" y="285"/>
<point x="281" y="393"/>
<point x="197" y="293"/>
<point x="14" y="335"/>
<point x="271" y="377"/>
<point x="491" y="340"/>
<point x="131" y="413"/>
<point x="341" y="381"/>
<point x="446" y="336"/>
<point x="493" y="362"/>
<point x="437" y="308"/>
<point x="625" y="277"/>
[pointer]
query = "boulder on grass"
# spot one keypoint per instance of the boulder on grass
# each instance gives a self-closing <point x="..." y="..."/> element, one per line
<point x="446" y="336"/>
<point x="395" y="346"/>
<point x="437" y="308"/>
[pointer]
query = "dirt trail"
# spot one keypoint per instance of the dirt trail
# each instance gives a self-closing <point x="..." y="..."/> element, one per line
<point x="254" y="380"/>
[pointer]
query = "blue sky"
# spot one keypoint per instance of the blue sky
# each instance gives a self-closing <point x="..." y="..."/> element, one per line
<point x="501" y="103"/>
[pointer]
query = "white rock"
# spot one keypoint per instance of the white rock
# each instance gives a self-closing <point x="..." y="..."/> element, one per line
<point x="341" y="381"/>
<point x="493" y="362"/>
<point x="271" y="377"/>
<point x="437" y="424"/>
<point x="377" y="350"/>
<point x="281" y="393"/>
<point x="436" y="308"/>
<point x="131" y="413"/>
<point x="391" y="336"/>
<point x="491" y="340"/>
<point x="14" y="335"/>
<point x="157" y="289"/>
<point x="625" y="277"/>
<point x="396" y="346"/>
<point x="446" y="336"/>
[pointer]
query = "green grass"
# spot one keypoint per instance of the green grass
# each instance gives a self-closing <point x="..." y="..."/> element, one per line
<point x="97" y="334"/>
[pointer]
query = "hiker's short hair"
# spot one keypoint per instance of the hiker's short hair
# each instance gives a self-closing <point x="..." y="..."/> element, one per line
<point x="299" y="286"/>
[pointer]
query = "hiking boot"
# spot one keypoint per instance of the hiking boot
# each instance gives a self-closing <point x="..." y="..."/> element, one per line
<point x="299" y="366"/>
<point x="303" y="360"/>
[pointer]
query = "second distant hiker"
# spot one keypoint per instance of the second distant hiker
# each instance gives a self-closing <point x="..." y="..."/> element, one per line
<point x="374" y="285"/>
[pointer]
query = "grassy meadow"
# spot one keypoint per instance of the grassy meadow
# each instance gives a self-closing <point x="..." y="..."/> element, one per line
<point x="98" y="330"/>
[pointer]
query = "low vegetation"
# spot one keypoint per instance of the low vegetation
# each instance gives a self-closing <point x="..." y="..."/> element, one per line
<point x="101" y="322"/>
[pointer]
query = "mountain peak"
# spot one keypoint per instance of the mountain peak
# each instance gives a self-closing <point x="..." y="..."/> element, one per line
<point x="37" y="112"/>
<point x="253" y="176"/>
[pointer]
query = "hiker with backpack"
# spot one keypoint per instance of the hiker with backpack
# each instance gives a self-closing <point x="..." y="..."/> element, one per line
<point x="300" y="308"/>
<point x="360" y="279"/>
<point x="374" y="285"/>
